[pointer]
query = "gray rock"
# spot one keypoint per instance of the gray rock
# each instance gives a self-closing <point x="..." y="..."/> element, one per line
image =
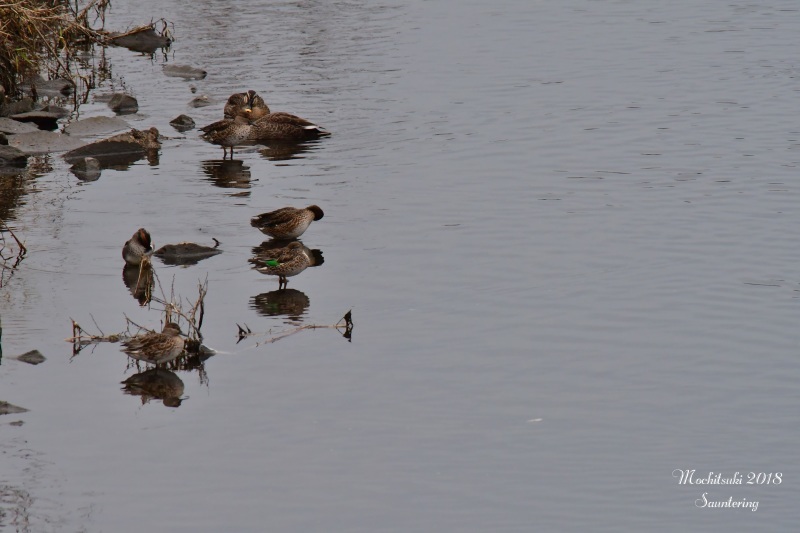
<point x="45" y="120"/>
<point x="146" y="41"/>
<point x="200" y="101"/>
<point x="7" y="408"/>
<point x="13" y="127"/>
<point x="20" y="106"/>
<point x="57" y="87"/>
<point x="185" y="253"/>
<point x="58" y="110"/>
<point x="34" y="357"/>
<point x="184" y="71"/>
<point x="10" y="156"/>
<point x="123" y="104"/>
<point x="182" y="123"/>
<point x="43" y="142"/>
<point x="96" y="126"/>
<point x="121" y="149"/>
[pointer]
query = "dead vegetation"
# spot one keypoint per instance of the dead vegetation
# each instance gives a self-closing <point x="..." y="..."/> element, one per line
<point x="11" y="254"/>
<point x="43" y="37"/>
<point x="50" y="38"/>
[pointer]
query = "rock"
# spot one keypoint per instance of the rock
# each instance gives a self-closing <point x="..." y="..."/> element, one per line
<point x="45" y="120"/>
<point x="185" y="253"/>
<point x="184" y="71"/>
<point x="13" y="127"/>
<point x="16" y="423"/>
<point x="10" y="156"/>
<point x="123" y="104"/>
<point x="96" y="126"/>
<point x="7" y="408"/>
<point x="200" y="101"/>
<point x="182" y="123"/>
<point x="3" y="139"/>
<point x="193" y="89"/>
<point x="87" y="169"/>
<point x="58" y="110"/>
<point x="20" y="106"/>
<point x="120" y="149"/>
<point x="42" y="142"/>
<point x="34" y="357"/>
<point x="146" y="41"/>
<point x="57" y="87"/>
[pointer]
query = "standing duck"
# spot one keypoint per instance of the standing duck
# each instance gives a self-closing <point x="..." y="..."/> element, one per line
<point x="137" y="247"/>
<point x="285" y="262"/>
<point x="287" y="223"/>
<point x="229" y="132"/>
<point x="156" y="348"/>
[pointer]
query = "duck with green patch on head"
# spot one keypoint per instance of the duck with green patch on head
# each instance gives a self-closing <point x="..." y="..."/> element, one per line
<point x="284" y="262"/>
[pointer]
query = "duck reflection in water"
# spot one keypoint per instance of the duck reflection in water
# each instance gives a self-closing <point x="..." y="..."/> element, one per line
<point x="156" y="383"/>
<point x="140" y="281"/>
<point x="276" y="151"/>
<point x="290" y="303"/>
<point x="227" y="174"/>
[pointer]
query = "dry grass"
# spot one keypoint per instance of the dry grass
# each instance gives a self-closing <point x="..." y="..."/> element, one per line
<point x="43" y="36"/>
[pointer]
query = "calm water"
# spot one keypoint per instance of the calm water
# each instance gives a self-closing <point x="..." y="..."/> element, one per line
<point x="567" y="232"/>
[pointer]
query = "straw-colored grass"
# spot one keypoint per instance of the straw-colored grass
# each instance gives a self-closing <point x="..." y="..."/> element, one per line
<point x="42" y="36"/>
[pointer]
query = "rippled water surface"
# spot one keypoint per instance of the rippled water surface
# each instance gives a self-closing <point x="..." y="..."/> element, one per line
<point x="567" y="232"/>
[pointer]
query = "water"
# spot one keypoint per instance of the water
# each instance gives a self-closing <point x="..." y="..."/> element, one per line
<point x="566" y="232"/>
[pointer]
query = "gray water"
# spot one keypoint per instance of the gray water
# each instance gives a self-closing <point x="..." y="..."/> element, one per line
<point x="567" y="232"/>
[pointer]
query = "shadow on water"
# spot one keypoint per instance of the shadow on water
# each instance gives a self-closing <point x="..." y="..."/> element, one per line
<point x="228" y="174"/>
<point x="139" y="281"/>
<point x="287" y="151"/>
<point x="290" y="303"/>
<point x="156" y="384"/>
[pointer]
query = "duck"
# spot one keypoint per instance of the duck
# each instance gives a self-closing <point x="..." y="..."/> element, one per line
<point x="284" y="262"/>
<point x="248" y="100"/>
<point x="156" y="348"/>
<point x="285" y="127"/>
<point x="137" y="247"/>
<point x="287" y="223"/>
<point x="229" y="132"/>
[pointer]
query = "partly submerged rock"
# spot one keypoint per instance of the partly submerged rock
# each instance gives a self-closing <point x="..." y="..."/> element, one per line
<point x="200" y="101"/>
<point x="33" y="357"/>
<point x="43" y="142"/>
<point x="20" y="106"/>
<point x="184" y="71"/>
<point x="45" y="120"/>
<point x="182" y="123"/>
<point x="13" y="127"/>
<point x="57" y="87"/>
<point x="7" y="408"/>
<point x="61" y="112"/>
<point x="144" y="40"/>
<point x="10" y="156"/>
<point x="96" y="126"/>
<point x="87" y="169"/>
<point x="185" y="253"/>
<point x="123" y="104"/>
<point x="121" y="149"/>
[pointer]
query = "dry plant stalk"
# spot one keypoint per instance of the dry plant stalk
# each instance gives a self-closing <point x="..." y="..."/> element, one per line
<point x="173" y="308"/>
<point x="39" y="35"/>
<point x="344" y="326"/>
